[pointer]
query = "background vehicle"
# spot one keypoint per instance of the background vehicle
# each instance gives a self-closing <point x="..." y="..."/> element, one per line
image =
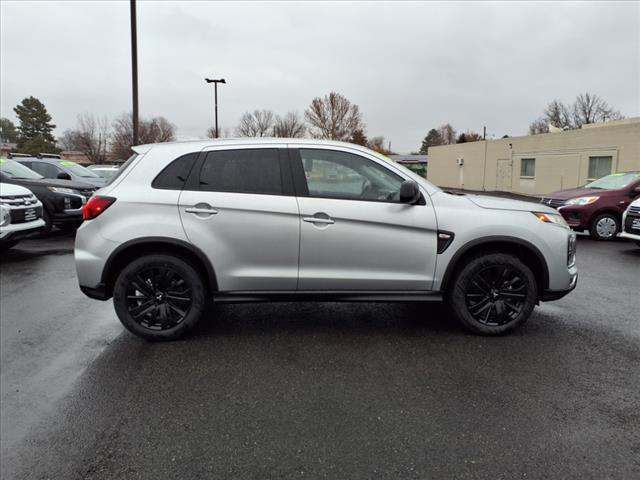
<point x="105" y="171"/>
<point x="20" y="215"/>
<point x="62" y="170"/>
<point x="631" y="222"/>
<point x="62" y="200"/>
<point x="597" y="207"/>
<point x="254" y="220"/>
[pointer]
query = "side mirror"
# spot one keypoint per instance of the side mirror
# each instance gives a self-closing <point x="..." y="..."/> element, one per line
<point x="635" y="192"/>
<point x="409" y="192"/>
<point x="64" y="176"/>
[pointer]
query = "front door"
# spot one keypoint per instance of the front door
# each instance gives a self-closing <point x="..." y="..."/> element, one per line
<point x="238" y="207"/>
<point x="355" y="234"/>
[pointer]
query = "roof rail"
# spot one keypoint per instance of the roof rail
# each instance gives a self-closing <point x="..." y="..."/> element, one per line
<point x="49" y="155"/>
<point x="12" y="155"/>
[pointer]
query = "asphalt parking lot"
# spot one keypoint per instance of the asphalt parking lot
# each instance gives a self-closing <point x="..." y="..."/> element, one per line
<point x="319" y="390"/>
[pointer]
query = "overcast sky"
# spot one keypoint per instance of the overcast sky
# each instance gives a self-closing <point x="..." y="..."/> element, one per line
<point x="409" y="66"/>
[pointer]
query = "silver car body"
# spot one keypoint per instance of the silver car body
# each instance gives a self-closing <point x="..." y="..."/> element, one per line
<point x="635" y="205"/>
<point x="294" y="243"/>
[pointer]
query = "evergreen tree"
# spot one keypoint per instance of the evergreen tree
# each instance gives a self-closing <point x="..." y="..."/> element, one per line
<point x="8" y="132"/>
<point x="35" y="131"/>
<point x="432" y="139"/>
<point x="359" y="138"/>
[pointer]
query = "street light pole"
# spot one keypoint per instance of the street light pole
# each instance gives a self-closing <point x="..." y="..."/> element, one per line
<point x="134" y="69"/>
<point x="215" y="97"/>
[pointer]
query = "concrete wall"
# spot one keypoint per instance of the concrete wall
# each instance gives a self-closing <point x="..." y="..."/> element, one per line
<point x="562" y="159"/>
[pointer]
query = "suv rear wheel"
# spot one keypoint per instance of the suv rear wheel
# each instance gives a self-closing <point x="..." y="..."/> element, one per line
<point x="493" y="294"/>
<point x="159" y="297"/>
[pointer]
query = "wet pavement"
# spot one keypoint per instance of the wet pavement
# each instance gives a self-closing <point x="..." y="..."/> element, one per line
<point x="319" y="390"/>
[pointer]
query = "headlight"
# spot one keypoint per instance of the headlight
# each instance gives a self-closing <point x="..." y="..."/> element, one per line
<point x="582" y="201"/>
<point x="551" y="218"/>
<point x="63" y="190"/>
<point x="5" y="216"/>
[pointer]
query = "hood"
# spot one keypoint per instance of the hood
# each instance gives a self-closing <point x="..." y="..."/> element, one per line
<point x="10" y="189"/>
<point x="574" y="193"/>
<point x="98" y="182"/>
<point x="498" y="203"/>
<point x="53" y="182"/>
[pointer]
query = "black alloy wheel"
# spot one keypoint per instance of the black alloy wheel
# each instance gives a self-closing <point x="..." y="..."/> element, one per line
<point x="160" y="296"/>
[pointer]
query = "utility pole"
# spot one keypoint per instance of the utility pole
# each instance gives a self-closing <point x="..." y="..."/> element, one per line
<point x="484" y="133"/>
<point x="134" y="69"/>
<point x="215" y="99"/>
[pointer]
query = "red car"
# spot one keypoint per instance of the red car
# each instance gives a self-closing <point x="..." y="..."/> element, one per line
<point x="597" y="206"/>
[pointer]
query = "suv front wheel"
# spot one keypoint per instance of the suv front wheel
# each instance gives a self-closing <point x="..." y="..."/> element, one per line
<point x="159" y="297"/>
<point x="493" y="294"/>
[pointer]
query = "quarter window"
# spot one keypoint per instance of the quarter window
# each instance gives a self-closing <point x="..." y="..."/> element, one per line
<point x="599" y="167"/>
<point x="528" y="167"/>
<point x="334" y="174"/>
<point x="175" y="174"/>
<point x="242" y="171"/>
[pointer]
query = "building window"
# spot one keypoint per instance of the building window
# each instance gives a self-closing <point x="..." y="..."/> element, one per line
<point x="599" y="167"/>
<point x="528" y="167"/>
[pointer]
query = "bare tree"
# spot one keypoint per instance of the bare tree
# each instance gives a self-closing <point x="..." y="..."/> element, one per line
<point x="448" y="134"/>
<point x="289" y="126"/>
<point x="68" y="140"/>
<point x="156" y="130"/>
<point x="258" y="123"/>
<point x="590" y="108"/>
<point x="558" y="115"/>
<point x="377" y="144"/>
<point x="473" y="136"/>
<point x="538" y="126"/>
<point x="90" y="137"/>
<point x="333" y="117"/>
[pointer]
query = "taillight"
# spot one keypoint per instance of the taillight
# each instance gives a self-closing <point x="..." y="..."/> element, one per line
<point x="96" y="205"/>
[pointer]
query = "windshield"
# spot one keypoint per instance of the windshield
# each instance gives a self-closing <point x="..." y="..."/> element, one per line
<point x="78" y="170"/>
<point x="105" y="172"/>
<point x="13" y="169"/>
<point x="614" y="181"/>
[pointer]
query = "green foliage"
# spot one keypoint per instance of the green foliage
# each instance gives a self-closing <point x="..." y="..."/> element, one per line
<point x="8" y="132"/>
<point x="432" y="139"/>
<point x="359" y="138"/>
<point x="462" y="138"/>
<point x="35" y="131"/>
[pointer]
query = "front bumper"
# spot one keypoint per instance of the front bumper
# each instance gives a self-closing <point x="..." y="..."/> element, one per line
<point x="21" y="230"/>
<point x="551" y="295"/>
<point x="577" y="217"/>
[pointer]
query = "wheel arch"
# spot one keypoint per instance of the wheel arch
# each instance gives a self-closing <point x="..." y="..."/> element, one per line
<point x="528" y="253"/>
<point x="150" y="245"/>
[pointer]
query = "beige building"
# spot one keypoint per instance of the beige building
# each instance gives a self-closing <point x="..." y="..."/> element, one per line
<point x="538" y="164"/>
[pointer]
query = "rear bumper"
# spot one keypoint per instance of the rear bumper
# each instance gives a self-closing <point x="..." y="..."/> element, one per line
<point x="551" y="295"/>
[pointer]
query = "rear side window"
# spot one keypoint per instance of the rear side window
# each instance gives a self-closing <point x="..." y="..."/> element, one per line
<point x="175" y="174"/>
<point x="242" y="171"/>
<point x="45" y="169"/>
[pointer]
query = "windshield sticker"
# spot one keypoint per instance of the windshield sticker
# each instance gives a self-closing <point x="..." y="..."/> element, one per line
<point x="68" y="164"/>
<point x="618" y="174"/>
<point x="3" y="160"/>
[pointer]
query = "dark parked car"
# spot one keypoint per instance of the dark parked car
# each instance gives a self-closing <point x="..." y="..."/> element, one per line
<point x="62" y="200"/>
<point x="598" y="206"/>
<point x="62" y="170"/>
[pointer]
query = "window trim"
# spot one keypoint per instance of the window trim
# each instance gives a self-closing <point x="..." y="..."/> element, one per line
<point x="522" y="163"/>
<point x="193" y="181"/>
<point x="193" y="164"/>
<point x="300" y="179"/>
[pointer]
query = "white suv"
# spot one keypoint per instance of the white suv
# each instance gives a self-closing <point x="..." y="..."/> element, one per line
<point x="20" y="215"/>
<point x="250" y="220"/>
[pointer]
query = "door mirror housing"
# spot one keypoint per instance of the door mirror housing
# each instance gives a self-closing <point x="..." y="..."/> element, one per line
<point x="64" y="176"/>
<point x="409" y="192"/>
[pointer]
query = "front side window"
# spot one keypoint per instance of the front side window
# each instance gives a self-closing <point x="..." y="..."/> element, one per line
<point x="528" y="167"/>
<point x="242" y="171"/>
<point x="78" y="170"/>
<point x="599" y="166"/>
<point x="334" y="174"/>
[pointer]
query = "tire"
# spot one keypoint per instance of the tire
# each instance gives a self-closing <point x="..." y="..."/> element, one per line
<point x="69" y="226"/>
<point x="605" y="227"/>
<point x="148" y="308"/>
<point x="638" y="243"/>
<point x="493" y="294"/>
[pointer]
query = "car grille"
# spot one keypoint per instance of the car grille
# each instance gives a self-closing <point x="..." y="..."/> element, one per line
<point x="553" y="202"/>
<point x="634" y="211"/>
<point x="18" y="200"/>
<point x="22" y="215"/>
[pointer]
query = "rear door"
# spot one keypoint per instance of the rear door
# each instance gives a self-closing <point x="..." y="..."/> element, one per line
<point x="238" y="207"/>
<point x="355" y="234"/>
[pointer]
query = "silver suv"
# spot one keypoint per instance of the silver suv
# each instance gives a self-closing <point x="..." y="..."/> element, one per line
<point x="248" y="220"/>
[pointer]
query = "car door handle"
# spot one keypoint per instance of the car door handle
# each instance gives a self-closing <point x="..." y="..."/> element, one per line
<point x="326" y="221"/>
<point x="209" y="211"/>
